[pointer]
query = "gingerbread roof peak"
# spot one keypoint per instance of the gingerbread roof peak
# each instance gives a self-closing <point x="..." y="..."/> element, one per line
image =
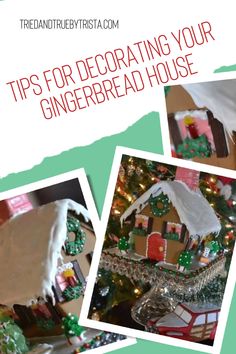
<point x="193" y="209"/>
<point x="30" y="249"/>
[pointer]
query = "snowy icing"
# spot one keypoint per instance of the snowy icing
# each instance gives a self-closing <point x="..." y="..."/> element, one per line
<point x="30" y="251"/>
<point x="201" y="114"/>
<point x="193" y="209"/>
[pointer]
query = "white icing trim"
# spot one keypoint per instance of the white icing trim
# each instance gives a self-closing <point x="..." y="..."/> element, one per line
<point x="64" y="267"/>
<point x="165" y="253"/>
<point x="147" y="238"/>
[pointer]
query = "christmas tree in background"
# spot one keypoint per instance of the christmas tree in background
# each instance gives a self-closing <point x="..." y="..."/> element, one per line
<point x="136" y="176"/>
<point x="221" y="194"/>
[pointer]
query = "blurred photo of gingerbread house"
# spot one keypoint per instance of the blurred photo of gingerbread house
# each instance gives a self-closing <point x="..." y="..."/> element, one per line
<point x="201" y="118"/>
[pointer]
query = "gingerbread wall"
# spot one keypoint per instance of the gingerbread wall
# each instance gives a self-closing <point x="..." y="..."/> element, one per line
<point x="179" y="100"/>
<point x="173" y="247"/>
<point x="172" y="216"/>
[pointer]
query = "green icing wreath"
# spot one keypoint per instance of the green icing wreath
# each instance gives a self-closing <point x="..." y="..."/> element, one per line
<point x="75" y="247"/>
<point x="164" y="207"/>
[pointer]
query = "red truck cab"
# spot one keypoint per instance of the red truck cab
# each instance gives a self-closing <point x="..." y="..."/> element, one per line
<point x="188" y="322"/>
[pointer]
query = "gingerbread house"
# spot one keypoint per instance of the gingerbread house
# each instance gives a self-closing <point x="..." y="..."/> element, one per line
<point x="45" y="257"/>
<point x="171" y="217"/>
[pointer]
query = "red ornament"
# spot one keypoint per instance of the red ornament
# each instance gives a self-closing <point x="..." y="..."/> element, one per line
<point x="230" y="235"/>
<point x="162" y="169"/>
<point x="229" y="203"/>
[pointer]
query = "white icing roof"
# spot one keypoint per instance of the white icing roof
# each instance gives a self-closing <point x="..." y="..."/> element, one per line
<point x="193" y="209"/>
<point x="30" y="248"/>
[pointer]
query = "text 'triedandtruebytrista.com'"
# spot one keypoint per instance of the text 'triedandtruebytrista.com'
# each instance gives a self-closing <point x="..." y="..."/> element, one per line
<point x="69" y="24"/>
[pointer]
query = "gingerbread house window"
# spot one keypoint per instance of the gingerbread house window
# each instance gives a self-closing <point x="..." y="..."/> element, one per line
<point x="143" y="224"/>
<point x="25" y="315"/>
<point x="29" y="316"/>
<point x="70" y="278"/>
<point x="174" y="231"/>
<point x="197" y="133"/>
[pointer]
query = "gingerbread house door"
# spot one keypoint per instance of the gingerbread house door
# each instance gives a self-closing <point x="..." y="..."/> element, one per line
<point x="156" y="247"/>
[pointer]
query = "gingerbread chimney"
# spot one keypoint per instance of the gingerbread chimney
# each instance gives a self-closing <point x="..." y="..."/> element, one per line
<point x="188" y="176"/>
<point x="14" y="206"/>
